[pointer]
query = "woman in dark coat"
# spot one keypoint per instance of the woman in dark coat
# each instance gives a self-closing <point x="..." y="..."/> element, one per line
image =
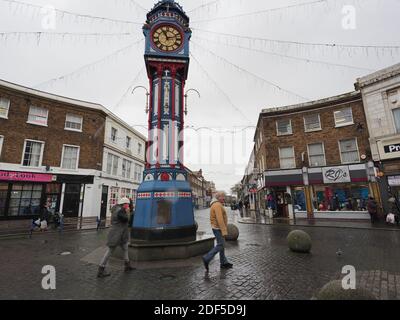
<point x="118" y="236"/>
<point x="372" y="207"/>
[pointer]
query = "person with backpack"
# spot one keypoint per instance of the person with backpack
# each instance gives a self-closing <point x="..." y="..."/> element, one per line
<point x="118" y="236"/>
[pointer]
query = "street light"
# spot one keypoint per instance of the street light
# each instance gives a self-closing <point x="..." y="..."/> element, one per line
<point x="186" y="98"/>
<point x="147" y="96"/>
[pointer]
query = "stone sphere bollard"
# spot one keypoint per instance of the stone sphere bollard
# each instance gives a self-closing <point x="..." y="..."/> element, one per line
<point x="299" y="241"/>
<point x="334" y="291"/>
<point x="233" y="233"/>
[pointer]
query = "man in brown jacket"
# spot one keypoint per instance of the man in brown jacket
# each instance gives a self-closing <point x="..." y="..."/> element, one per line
<point x="219" y="224"/>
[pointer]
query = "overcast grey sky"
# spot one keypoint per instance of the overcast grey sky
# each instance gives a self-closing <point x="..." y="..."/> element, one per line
<point x="233" y="75"/>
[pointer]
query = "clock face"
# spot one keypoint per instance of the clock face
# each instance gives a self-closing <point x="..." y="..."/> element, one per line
<point x="167" y="38"/>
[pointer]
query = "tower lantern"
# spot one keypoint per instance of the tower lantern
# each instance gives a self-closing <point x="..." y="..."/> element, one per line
<point x="164" y="209"/>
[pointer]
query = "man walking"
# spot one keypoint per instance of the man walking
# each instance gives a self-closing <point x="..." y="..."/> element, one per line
<point x="118" y="236"/>
<point x="372" y="207"/>
<point x="219" y="224"/>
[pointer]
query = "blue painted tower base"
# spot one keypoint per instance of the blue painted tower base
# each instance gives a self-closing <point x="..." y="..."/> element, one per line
<point x="164" y="210"/>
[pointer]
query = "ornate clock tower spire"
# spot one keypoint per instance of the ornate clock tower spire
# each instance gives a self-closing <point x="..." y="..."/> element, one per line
<point x="164" y="209"/>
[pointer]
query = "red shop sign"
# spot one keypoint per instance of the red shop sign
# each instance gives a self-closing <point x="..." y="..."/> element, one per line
<point x="25" y="176"/>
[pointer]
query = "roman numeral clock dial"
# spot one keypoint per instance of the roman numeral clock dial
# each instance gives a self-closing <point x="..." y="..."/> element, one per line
<point x="167" y="38"/>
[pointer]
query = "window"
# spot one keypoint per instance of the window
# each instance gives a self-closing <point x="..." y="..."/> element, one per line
<point x="284" y="127"/>
<point x="25" y="199"/>
<point x="126" y="169"/>
<point x="138" y="172"/>
<point x="128" y="142"/>
<point x="396" y="116"/>
<point x="343" y="117"/>
<point x="33" y="153"/>
<point x="73" y="123"/>
<point x="312" y="123"/>
<point x="286" y="157"/>
<point x="316" y="155"/>
<point x="70" y="158"/>
<point x="112" y="164"/>
<point x="349" y="151"/>
<point x="38" y="116"/>
<point x="114" y="133"/>
<point x="114" y="196"/>
<point x="3" y="198"/>
<point x="4" y="107"/>
<point x="140" y="146"/>
<point x="1" y="143"/>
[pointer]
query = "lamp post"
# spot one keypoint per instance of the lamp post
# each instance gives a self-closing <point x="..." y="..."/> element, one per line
<point x="186" y="98"/>
<point x="147" y="96"/>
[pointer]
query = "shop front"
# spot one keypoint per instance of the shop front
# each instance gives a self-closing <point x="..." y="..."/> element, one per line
<point x="389" y="181"/>
<point x="22" y="194"/>
<point x="327" y="192"/>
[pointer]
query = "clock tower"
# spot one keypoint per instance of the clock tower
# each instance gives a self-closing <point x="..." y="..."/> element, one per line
<point x="164" y="208"/>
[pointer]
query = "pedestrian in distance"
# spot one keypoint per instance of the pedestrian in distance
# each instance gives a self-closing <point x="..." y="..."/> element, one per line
<point x="372" y="208"/>
<point x="118" y="236"/>
<point x="219" y="224"/>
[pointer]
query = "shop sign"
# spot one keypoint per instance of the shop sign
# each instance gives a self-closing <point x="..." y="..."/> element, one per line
<point x="394" y="181"/>
<point x="25" y="176"/>
<point x="392" y="148"/>
<point x="336" y="175"/>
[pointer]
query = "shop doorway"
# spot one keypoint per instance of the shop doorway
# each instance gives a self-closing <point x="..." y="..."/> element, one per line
<point x="282" y="204"/>
<point x="72" y="200"/>
<point x="104" y="201"/>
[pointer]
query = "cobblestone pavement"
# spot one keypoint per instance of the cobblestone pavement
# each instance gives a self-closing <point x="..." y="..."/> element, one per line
<point x="264" y="268"/>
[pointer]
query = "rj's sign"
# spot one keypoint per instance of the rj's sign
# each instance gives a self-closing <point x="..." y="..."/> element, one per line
<point x="25" y="176"/>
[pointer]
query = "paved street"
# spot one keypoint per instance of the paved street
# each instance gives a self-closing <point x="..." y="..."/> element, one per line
<point x="264" y="268"/>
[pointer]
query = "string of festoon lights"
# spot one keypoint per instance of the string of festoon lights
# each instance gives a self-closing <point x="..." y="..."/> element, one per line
<point x="241" y="69"/>
<point x="307" y="60"/>
<point x="89" y="66"/>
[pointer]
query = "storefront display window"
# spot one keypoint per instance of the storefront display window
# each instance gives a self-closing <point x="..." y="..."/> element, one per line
<point x="341" y="198"/>
<point x="3" y="198"/>
<point x="299" y="199"/>
<point x="114" y="197"/>
<point x="25" y="199"/>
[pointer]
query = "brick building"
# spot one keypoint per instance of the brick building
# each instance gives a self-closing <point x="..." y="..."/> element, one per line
<point x="315" y="158"/>
<point x="53" y="150"/>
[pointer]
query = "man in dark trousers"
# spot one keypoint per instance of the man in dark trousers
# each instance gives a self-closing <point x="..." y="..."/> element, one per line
<point x="219" y="224"/>
<point x="372" y="207"/>
<point x="118" y="236"/>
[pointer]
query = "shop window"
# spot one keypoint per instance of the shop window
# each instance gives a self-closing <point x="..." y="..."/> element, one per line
<point x="25" y="199"/>
<point x="343" y="117"/>
<point x="1" y="144"/>
<point x="312" y="123"/>
<point x="287" y="158"/>
<point x="316" y="154"/>
<point x="33" y="153"/>
<point x="341" y="198"/>
<point x="70" y="157"/>
<point x="396" y="116"/>
<point x="349" y="151"/>
<point x="114" y="196"/>
<point x="284" y="127"/>
<point x="73" y="123"/>
<point x="4" y="108"/>
<point x="38" y="116"/>
<point x="3" y="198"/>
